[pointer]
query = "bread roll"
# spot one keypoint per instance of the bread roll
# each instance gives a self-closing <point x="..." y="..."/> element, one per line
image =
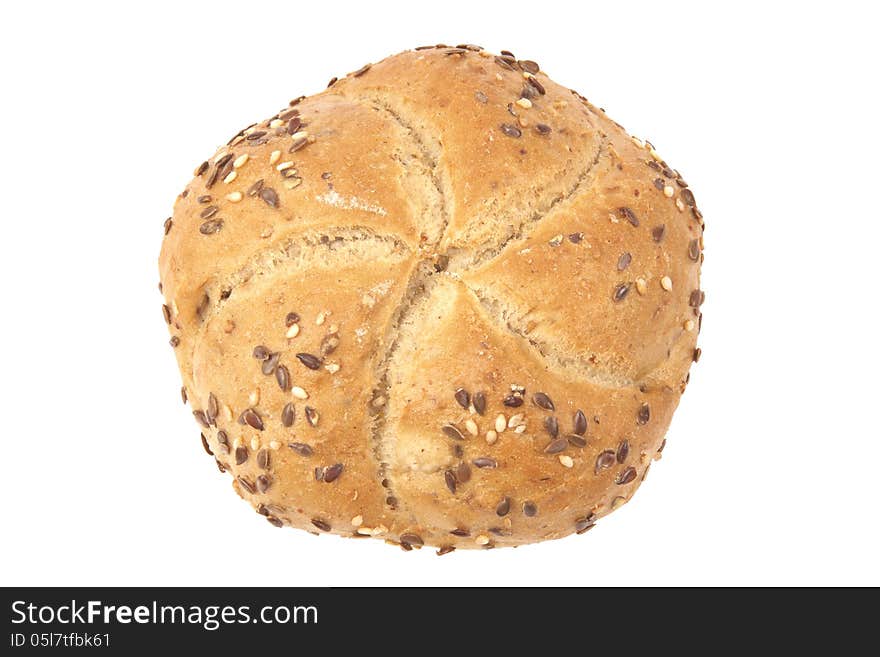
<point x="444" y="302"/>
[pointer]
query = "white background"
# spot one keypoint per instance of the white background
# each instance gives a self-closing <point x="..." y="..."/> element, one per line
<point x="770" y="111"/>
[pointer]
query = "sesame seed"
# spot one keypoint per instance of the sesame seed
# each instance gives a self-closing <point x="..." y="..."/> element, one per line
<point x="566" y="460"/>
<point x="284" y="165"/>
<point x="520" y="429"/>
<point x="472" y="428"/>
<point x="689" y="325"/>
<point x="274" y="157"/>
<point x="482" y="539"/>
<point x="234" y="197"/>
<point x="357" y="521"/>
<point x="515" y="421"/>
<point x="333" y="368"/>
<point x="299" y="393"/>
<point x="491" y="437"/>
<point x="240" y="161"/>
<point x="525" y="103"/>
<point x="500" y="423"/>
<point x="617" y="502"/>
<point x="668" y="191"/>
<point x="274" y="445"/>
<point x="641" y="286"/>
<point x="320" y="319"/>
<point x="666" y="283"/>
<point x="255" y="444"/>
<point x="232" y="175"/>
<point x="293" y="331"/>
<point x="300" y="134"/>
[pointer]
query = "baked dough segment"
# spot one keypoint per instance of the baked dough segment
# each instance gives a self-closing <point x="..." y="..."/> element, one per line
<point x="354" y="174"/>
<point x="610" y="299"/>
<point x="494" y="165"/>
<point x="450" y="343"/>
<point x="343" y="309"/>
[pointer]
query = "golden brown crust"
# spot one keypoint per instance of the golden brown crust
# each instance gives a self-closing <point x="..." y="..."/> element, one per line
<point x="444" y="302"/>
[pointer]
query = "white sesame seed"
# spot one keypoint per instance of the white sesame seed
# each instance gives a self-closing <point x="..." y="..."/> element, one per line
<point x="668" y="191"/>
<point x="526" y="75"/>
<point x="219" y="156"/>
<point x="357" y="521"/>
<point x="320" y="319"/>
<point x="689" y="325"/>
<point x="491" y="437"/>
<point x="299" y="135"/>
<point x="520" y="429"/>
<point x="613" y="218"/>
<point x="334" y="328"/>
<point x="515" y="420"/>
<point x="638" y="142"/>
<point x="655" y="154"/>
<point x="525" y="103"/>
<point x="240" y="161"/>
<point x="499" y="77"/>
<point x="381" y="529"/>
<point x="299" y="393"/>
<point x="472" y="428"/>
<point x="679" y="205"/>
<point x="255" y="443"/>
<point x="284" y="165"/>
<point x="227" y="412"/>
<point x="666" y="283"/>
<point x="365" y="531"/>
<point x="292" y="331"/>
<point x="276" y="123"/>
<point x="230" y="177"/>
<point x="274" y="157"/>
<point x="617" y="502"/>
<point x="254" y="397"/>
<point x="333" y="368"/>
<point x="234" y="197"/>
<point x="566" y="460"/>
<point x="641" y="286"/>
<point x="173" y="307"/>
<point x="237" y="443"/>
<point x="500" y="423"/>
<point x="292" y="183"/>
<point x="274" y="444"/>
<point x="482" y="539"/>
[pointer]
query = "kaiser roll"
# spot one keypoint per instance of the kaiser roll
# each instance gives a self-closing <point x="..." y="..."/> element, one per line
<point x="444" y="302"/>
